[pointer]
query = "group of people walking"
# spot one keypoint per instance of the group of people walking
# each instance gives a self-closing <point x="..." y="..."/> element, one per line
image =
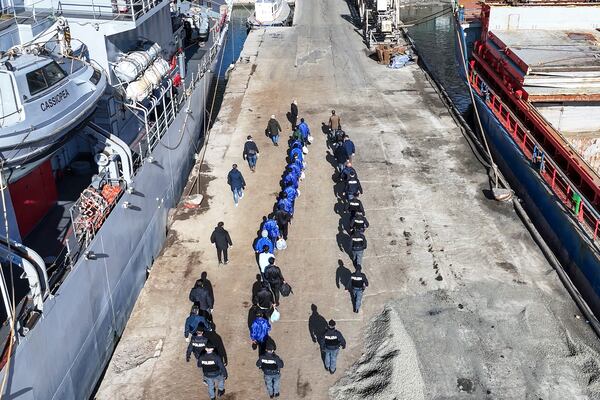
<point x="353" y="211"/>
<point x="270" y="285"/>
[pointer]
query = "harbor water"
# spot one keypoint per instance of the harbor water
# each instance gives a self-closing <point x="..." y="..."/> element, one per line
<point x="434" y="35"/>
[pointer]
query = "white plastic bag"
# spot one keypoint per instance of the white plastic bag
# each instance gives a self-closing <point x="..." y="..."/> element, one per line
<point x="305" y="150"/>
<point x="275" y="316"/>
<point x="310" y="139"/>
<point x="281" y="244"/>
<point x="302" y="176"/>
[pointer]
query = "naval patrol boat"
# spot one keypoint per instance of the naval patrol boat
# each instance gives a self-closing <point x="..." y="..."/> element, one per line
<point x="102" y="105"/>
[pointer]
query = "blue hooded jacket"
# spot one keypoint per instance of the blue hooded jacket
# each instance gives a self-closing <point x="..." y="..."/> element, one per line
<point x="290" y="179"/>
<point x="286" y="205"/>
<point x="272" y="228"/>
<point x="299" y="164"/>
<point x="295" y="170"/>
<point x="304" y="129"/>
<point x="291" y="193"/>
<point x="264" y="241"/>
<point x="298" y="153"/>
<point x="296" y="144"/>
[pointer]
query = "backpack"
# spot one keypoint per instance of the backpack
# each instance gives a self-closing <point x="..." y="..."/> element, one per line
<point x="285" y="289"/>
<point x="260" y="329"/>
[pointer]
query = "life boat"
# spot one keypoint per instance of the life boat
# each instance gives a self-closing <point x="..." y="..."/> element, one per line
<point x="42" y="100"/>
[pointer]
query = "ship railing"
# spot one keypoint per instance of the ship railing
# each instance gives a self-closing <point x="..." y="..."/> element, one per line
<point x="125" y="10"/>
<point x="561" y="186"/>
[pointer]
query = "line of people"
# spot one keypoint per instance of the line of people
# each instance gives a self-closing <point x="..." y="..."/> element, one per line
<point x="353" y="220"/>
<point x="270" y="283"/>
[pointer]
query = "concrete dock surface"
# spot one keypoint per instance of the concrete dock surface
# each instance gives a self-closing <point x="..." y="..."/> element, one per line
<point x="461" y="303"/>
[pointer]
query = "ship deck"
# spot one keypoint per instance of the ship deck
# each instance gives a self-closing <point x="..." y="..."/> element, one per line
<point x="461" y="301"/>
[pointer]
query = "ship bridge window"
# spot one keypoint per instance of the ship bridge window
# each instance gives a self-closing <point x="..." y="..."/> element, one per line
<point x="43" y="78"/>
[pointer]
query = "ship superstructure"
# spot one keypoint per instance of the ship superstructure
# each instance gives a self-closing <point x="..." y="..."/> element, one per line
<point x="107" y="104"/>
<point x="535" y="73"/>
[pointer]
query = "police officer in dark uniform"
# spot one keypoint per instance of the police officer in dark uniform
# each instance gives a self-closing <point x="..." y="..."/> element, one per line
<point x="197" y="344"/>
<point x="353" y="186"/>
<point x="358" y="246"/>
<point x="354" y="204"/>
<point x="358" y="282"/>
<point x="331" y="342"/>
<point x="213" y="370"/>
<point x="271" y="364"/>
<point x="359" y="222"/>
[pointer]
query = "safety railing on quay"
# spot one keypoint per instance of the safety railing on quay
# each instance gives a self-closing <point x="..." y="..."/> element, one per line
<point x="556" y="180"/>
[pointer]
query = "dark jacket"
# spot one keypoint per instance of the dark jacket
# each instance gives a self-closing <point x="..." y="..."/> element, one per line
<point x="220" y="237"/>
<point x="358" y="280"/>
<point x="332" y="339"/>
<point x="273" y="275"/>
<point x="354" y="205"/>
<point x="282" y="217"/>
<point x="235" y="179"/>
<point x="349" y="146"/>
<point x="193" y="322"/>
<point x="346" y="172"/>
<point x="264" y="298"/>
<point x="216" y="340"/>
<point x="340" y="154"/>
<point x="294" y="111"/>
<point x="250" y="149"/>
<point x="197" y="346"/>
<point x="201" y="296"/>
<point x="212" y="365"/>
<point x="270" y="363"/>
<point x="359" y="223"/>
<point x="353" y="186"/>
<point x="273" y="127"/>
<point x="359" y="241"/>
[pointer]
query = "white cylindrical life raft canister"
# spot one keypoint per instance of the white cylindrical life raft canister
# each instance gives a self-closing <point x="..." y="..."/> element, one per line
<point x="138" y="90"/>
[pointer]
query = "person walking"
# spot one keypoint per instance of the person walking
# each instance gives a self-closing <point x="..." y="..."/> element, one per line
<point x="294" y="114"/>
<point x="200" y="296"/>
<point x="263" y="241"/>
<point x="259" y="331"/>
<point x="264" y="259"/>
<point x="250" y="153"/>
<point x="349" y="146"/>
<point x="335" y="122"/>
<point x="359" y="222"/>
<point x="331" y="341"/>
<point x="274" y="129"/>
<point x="213" y="370"/>
<point x="304" y="131"/>
<point x="221" y="239"/>
<point x="358" y="282"/>
<point x="264" y="298"/>
<point x="237" y="183"/>
<point x="285" y="204"/>
<point x="275" y="278"/>
<point x="271" y="364"/>
<point x="341" y="156"/>
<point x="283" y="219"/>
<point x="347" y="170"/>
<point x="354" y="205"/>
<point x="353" y="186"/>
<point x="195" y="322"/>
<point x="270" y="225"/>
<point x="359" y="245"/>
<point x="197" y="345"/>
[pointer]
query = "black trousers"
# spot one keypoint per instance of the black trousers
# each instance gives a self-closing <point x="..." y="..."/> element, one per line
<point x="283" y="228"/>
<point x="276" y="292"/>
<point x="223" y="253"/>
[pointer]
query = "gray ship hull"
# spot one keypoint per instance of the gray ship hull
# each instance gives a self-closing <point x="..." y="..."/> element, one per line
<point x="65" y="354"/>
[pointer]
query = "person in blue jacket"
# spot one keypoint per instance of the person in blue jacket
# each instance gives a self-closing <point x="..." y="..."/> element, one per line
<point x="194" y="321"/>
<point x="263" y="241"/>
<point x="349" y="146"/>
<point x="303" y="127"/>
<point x="237" y="183"/>
<point x="285" y="204"/>
<point x="290" y="179"/>
<point x="296" y="152"/>
<point x="295" y="169"/>
<point x="291" y="193"/>
<point x="296" y="144"/>
<point x="270" y="225"/>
